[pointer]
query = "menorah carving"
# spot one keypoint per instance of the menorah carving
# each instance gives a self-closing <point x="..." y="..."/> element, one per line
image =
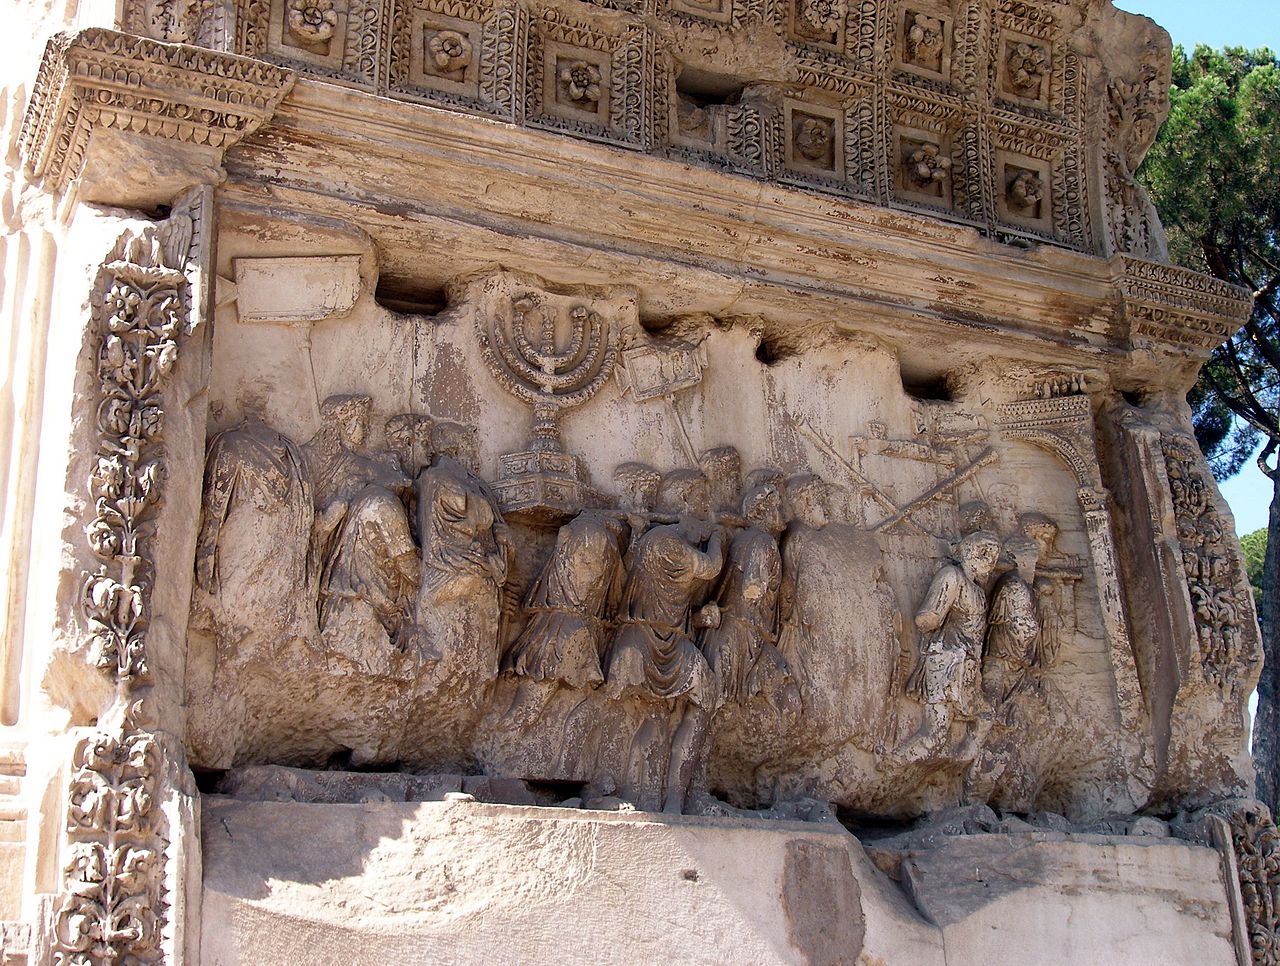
<point x="552" y="358"/>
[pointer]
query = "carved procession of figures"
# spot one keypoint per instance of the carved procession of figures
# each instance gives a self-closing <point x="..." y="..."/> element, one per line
<point x="647" y="620"/>
<point x="679" y="638"/>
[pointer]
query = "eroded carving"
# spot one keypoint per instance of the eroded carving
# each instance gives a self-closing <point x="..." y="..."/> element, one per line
<point x="952" y="621"/>
<point x="112" y="906"/>
<point x="741" y="646"/>
<point x="1210" y="569"/>
<point x="365" y="562"/>
<point x="552" y="352"/>
<point x="652" y="656"/>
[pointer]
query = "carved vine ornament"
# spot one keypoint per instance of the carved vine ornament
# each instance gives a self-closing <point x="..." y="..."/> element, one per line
<point x="113" y="906"/>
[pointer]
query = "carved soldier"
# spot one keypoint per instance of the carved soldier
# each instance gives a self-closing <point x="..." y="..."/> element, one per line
<point x="1012" y="658"/>
<point x="722" y="466"/>
<point x="578" y="590"/>
<point x="466" y="547"/>
<point x="651" y="655"/>
<point x="741" y="649"/>
<point x="807" y="498"/>
<point x="952" y="623"/>
<point x="365" y="556"/>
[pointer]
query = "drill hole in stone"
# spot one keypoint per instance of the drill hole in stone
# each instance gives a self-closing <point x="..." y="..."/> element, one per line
<point x="408" y="297"/>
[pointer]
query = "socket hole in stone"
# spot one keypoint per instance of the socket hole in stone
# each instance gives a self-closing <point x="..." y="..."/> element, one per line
<point x="704" y="87"/>
<point x="208" y="780"/>
<point x="770" y="351"/>
<point x="1134" y="397"/>
<point x="926" y="388"/>
<point x="407" y="297"/>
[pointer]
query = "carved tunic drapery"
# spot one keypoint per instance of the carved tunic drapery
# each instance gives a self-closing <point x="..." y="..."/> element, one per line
<point x="652" y="652"/>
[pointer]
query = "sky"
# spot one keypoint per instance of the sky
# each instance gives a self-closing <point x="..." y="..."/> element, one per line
<point x="1246" y="23"/>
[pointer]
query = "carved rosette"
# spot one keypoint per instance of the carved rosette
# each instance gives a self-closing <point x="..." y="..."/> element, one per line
<point x="112" y="907"/>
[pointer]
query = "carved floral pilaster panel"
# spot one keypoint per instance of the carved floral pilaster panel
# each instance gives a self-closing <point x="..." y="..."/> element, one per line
<point x="1226" y="648"/>
<point x="1246" y="836"/>
<point x="112" y="908"/>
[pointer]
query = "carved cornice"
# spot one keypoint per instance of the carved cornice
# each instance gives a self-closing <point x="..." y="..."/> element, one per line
<point x="1175" y="309"/>
<point x="100" y="80"/>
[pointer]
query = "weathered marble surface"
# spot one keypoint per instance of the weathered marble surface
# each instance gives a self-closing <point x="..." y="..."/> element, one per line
<point x="457" y="881"/>
<point x="730" y="408"/>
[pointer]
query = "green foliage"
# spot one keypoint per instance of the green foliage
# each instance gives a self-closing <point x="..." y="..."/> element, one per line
<point x="1254" y="546"/>
<point x="1214" y="175"/>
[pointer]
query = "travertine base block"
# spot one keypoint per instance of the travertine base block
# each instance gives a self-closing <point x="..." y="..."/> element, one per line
<point x="462" y="882"/>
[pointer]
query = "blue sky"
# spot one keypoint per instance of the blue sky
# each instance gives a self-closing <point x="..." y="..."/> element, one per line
<point x="1246" y="23"/>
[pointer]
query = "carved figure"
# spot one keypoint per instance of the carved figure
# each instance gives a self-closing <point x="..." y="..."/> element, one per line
<point x="638" y="494"/>
<point x="255" y="467"/>
<point x="722" y="466"/>
<point x="952" y="623"/>
<point x="466" y="547"/>
<point x="1025" y="193"/>
<point x="652" y="655"/>
<point x="1027" y="63"/>
<point x="741" y="649"/>
<point x="812" y="138"/>
<point x="806" y="502"/>
<point x="924" y="39"/>
<point x="1013" y="656"/>
<point x="365" y="553"/>
<point x="569" y="603"/>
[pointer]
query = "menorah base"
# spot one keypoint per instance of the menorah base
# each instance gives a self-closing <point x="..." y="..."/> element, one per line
<point x="541" y="488"/>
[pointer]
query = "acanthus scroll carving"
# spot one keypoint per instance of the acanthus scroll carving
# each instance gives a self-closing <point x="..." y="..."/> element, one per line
<point x="1222" y="615"/>
<point x="112" y="908"/>
<point x="142" y="311"/>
